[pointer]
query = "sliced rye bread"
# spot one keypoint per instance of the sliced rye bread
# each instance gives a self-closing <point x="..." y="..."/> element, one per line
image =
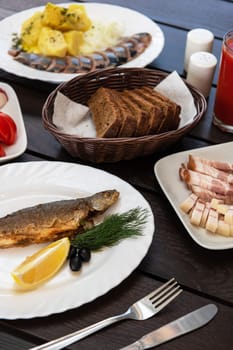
<point x="129" y="122"/>
<point x="141" y="117"/>
<point x="171" y="109"/>
<point x="110" y="114"/>
<point x="155" y="115"/>
<point x="132" y="113"/>
<point x="165" y="107"/>
<point x="105" y="113"/>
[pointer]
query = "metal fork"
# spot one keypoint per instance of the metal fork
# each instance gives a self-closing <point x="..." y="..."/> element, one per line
<point x="143" y="309"/>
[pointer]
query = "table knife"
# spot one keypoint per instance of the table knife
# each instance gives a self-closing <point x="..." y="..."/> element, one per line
<point x="172" y="330"/>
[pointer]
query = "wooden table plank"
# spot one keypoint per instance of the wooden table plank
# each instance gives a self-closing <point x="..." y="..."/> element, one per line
<point x="205" y="275"/>
<point x="203" y="13"/>
<point x="12" y="342"/>
<point x="118" y="335"/>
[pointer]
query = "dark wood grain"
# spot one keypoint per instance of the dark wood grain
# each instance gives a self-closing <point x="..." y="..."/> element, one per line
<point x="186" y="15"/>
<point x="125" y="332"/>
<point x="205" y="275"/>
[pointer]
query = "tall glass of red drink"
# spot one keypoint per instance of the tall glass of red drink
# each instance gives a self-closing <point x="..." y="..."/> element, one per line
<point x="223" y="108"/>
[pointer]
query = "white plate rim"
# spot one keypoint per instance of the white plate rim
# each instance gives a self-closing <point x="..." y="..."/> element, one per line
<point x="176" y="191"/>
<point x="12" y="108"/>
<point x="14" y="21"/>
<point x="77" y="290"/>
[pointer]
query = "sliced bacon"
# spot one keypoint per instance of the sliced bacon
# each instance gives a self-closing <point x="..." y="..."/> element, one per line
<point x="212" y="221"/>
<point x="197" y="213"/>
<point x="224" y="229"/>
<point x="205" y="181"/>
<point x="210" y="204"/>
<point x="188" y="203"/>
<point x="205" y="215"/>
<point x="228" y="218"/>
<point x="205" y="194"/>
<point x="205" y="167"/>
<point x="222" y="209"/>
<point x="224" y="166"/>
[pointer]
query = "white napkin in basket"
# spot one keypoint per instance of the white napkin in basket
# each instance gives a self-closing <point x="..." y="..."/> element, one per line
<point x="72" y="118"/>
<point x="75" y="119"/>
<point x="174" y="88"/>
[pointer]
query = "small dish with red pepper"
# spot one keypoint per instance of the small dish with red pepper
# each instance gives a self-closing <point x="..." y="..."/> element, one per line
<point x="13" y="138"/>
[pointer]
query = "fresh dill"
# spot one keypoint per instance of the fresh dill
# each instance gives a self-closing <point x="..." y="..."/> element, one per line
<point x="16" y="41"/>
<point x="112" y="230"/>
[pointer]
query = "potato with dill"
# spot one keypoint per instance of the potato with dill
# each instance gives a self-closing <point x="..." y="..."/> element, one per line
<point x="56" y="31"/>
<point x="72" y="18"/>
<point x="30" y="32"/>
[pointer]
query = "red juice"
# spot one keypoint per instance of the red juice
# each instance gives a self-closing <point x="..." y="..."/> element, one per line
<point x="223" y="108"/>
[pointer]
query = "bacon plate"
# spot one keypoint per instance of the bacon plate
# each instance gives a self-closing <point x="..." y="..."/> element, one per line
<point x="210" y="203"/>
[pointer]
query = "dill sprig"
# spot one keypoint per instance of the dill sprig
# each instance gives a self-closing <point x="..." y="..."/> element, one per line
<point x="16" y="41"/>
<point x="112" y="230"/>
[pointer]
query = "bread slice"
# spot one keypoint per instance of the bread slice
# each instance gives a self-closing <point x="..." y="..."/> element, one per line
<point x="111" y="116"/>
<point x="171" y="110"/>
<point x="155" y="115"/>
<point x="140" y="116"/>
<point x="129" y="122"/>
<point x="105" y="113"/>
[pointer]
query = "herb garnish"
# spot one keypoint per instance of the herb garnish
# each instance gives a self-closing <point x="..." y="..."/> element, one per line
<point x="16" y="41"/>
<point x="112" y="230"/>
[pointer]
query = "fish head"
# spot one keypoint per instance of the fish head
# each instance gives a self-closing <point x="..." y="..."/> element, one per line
<point x="101" y="201"/>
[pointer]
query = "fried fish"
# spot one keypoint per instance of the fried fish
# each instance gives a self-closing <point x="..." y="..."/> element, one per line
<point x="51" y="221"/>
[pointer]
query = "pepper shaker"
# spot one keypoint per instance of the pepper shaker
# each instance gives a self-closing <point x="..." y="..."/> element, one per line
<point x="197" y="40"/>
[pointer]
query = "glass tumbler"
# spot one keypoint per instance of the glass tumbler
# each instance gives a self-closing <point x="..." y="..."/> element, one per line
<point x="223" y="108"/>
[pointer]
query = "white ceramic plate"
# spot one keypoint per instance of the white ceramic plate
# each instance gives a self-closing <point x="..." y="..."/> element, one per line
<point x="166" y="171"/>
<point x="13" y="109"/>
<point x="132" y="21"/>
<point x="26" y="184"/>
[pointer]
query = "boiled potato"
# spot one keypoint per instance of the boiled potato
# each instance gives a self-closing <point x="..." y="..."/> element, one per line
<point x="30" y="32"/>
<point x="76" y="18"/>
<point x="53" y="16"/>
<point x="56" y="31"/>
<point x="72" y="18"/>
<point x="52" y="43"/>
<point x="74" y="39"/>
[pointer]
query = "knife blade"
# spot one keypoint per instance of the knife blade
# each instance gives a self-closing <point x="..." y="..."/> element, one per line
<point x="172" y="330"/>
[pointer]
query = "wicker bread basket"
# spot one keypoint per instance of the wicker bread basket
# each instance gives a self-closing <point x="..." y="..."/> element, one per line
<point x="99" y="150"/>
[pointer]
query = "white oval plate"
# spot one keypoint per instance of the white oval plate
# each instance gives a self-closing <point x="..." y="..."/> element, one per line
<point x="12" y="108"/>
<point x="177" y="192"/>
<point x="26" y="184"/>
<point x="132" y="21"/>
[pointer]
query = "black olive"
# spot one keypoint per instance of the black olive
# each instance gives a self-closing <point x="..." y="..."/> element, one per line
<point x="72" y="252"/>
<point x="85" y="254"/>
<point x="75" y="262"/>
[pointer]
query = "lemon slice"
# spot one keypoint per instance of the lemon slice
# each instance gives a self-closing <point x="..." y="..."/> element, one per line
<point x="42" y="265"/>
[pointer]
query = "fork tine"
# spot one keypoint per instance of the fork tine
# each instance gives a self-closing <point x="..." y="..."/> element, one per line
<point x="157" y="301"/>
<point x="165" y="303"/>
<point x="160" y="289"/>
<point x="163" y="291"/>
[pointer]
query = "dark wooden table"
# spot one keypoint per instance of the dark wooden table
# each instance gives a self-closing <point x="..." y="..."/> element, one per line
<point x="205" y="275"/>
